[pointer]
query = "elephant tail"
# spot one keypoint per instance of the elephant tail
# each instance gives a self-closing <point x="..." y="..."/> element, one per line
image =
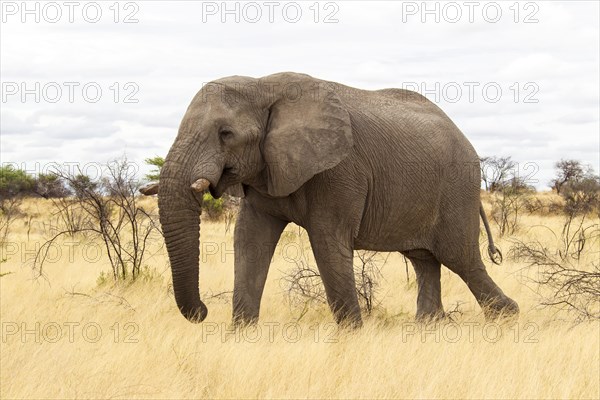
<point x="494" y="253"/>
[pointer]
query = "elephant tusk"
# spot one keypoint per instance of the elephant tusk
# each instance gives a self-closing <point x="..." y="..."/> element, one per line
<point x="200" y="185"/>
<point x="149" y="189"/>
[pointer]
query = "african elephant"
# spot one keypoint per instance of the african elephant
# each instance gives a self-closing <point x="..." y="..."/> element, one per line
<point x="383" y="170"/>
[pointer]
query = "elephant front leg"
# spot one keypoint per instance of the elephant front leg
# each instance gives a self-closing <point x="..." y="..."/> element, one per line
<point x="334" y="258"/>
<point x="255" y="238"/>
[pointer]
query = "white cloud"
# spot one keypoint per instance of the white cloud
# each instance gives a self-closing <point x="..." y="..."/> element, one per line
<point x="171" y="52"/>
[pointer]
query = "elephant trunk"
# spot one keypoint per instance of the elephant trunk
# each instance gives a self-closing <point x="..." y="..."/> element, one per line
<point x="179" y="210"/>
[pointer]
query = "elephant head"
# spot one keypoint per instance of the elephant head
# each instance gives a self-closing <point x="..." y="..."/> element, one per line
<point x="272" y="134"/>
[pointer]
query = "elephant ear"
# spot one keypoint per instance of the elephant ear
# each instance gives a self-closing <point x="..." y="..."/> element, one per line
<point x="308" y="132"/>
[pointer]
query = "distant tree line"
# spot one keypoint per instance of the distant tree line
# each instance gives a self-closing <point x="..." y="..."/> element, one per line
<point x="501" y="173"/>
<point x="497" y="175"/>
<point x="90" y="204"/>
<point x="16" y="182"/>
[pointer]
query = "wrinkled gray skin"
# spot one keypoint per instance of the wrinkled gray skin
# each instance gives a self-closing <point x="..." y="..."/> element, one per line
<point x="382" y="170"/>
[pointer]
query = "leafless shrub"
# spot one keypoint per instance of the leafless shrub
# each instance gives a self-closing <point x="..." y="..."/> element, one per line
<point x="224" y="297"/>
<point x="581" y="198"/>
<point x="367" y="275"/>
<point x="107" y="209"/>
<point x="507" y="205"/>
<point x="231" y="208"/>
<point x="560" y="283"/>
<point x="454" y="313"/>
<point x="304" y="286"/>
<point x="560" y="279"/>
<point x="70" y="215"/>
<point x="575" y="236"/>
<point x="10" y="210"/>
<point x="543" y="205"/>
<point x="533" y="205"/>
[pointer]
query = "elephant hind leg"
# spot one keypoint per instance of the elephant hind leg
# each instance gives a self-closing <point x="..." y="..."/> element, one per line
<point x="490" y="297"/>
<point x="428" y="270"/>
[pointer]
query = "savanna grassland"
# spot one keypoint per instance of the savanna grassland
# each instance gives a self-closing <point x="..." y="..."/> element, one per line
<point x="74" y="333"/>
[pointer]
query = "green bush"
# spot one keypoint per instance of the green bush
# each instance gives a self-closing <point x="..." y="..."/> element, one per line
<point x="158" y="163"/>
<point x="14" y="182"/>
<point x="213" y="207"/>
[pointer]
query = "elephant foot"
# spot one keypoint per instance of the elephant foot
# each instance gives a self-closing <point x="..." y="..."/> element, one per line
<point x="347" y="319"/>
<point x="500" y="309"/>
<point x="430" y="308"/>
<point x="238" y="322"/>
<point x="246" y="308"/>
<point x="242" y="318"/>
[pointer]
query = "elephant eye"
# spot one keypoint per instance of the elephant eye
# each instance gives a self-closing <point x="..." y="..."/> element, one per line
<point x="225" y="134"/>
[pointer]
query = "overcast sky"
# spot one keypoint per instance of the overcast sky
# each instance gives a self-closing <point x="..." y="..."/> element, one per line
<point x="520" y="81"/>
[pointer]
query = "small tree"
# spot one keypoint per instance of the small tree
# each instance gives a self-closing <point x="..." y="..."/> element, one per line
<point x="568" y="171"/>
<point x="82" y="185"/>
<point x="51" y="186"/>
<point x="496" y="171"/>
<point x="14" y="182"/>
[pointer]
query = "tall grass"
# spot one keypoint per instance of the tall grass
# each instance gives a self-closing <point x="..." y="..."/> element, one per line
<point x="67" y="336"/>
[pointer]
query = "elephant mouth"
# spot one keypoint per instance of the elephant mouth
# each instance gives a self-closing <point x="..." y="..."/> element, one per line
<point x="227" y="179"/>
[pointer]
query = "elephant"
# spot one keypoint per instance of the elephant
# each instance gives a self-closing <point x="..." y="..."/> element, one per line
<point x="382" y="170"/>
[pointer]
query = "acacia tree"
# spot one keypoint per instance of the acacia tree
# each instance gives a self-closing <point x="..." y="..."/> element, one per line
<point x="496" y="172"/>
<point x="50" y="186"/>
<point x="569" y="171"/>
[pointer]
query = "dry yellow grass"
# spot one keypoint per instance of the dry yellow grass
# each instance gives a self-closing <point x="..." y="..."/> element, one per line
<point x="67" y="337"/>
